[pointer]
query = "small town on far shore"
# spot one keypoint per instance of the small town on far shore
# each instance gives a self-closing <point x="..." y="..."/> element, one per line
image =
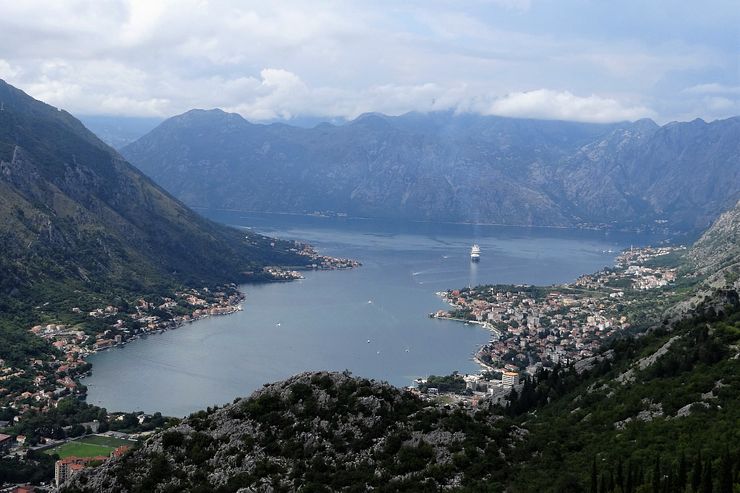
<point x="536" y="327"/>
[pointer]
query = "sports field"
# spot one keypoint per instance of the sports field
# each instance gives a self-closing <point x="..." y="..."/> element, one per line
<point x="89" y="446"/>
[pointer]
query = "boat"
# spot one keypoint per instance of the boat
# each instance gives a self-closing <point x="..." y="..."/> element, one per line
<point x="475" y="253"/>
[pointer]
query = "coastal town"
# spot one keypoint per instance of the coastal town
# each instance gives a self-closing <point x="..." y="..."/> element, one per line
<point x="38" y="386"/>
<point x="540" y="327"/>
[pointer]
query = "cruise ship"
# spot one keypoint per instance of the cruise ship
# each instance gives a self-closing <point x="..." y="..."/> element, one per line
<point x="475" y="253"/>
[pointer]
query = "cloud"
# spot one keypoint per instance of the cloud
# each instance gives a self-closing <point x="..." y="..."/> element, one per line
<point x="562" y="105"/>
<point x="280" y="60"/>
<point x="712" y="88"/>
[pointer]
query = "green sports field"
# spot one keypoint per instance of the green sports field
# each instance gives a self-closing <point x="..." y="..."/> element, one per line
<point x="90" y="446"/>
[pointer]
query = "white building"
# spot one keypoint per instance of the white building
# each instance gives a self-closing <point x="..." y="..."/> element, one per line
<point x="509" y="378"/>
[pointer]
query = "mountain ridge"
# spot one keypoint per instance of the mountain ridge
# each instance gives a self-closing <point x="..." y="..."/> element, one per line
<point x="69" y="197"/>
<point x="453" y="167"/>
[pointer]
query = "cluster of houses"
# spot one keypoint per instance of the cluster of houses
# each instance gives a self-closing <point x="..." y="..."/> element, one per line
<point x="323" y="262"/>
<point x="44" y="382"/>
<point x="631" y="272"/>
<point x="536" y="327"/>
<point x="531" y="330"/>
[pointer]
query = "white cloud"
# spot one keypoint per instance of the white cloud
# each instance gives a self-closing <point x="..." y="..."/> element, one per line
<point x="562" y="105"/>
<point x="712" y="88"/>
<point x="292" y="58"/>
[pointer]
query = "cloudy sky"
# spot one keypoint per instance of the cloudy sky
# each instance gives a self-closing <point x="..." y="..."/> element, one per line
<point x="581" y="60"/>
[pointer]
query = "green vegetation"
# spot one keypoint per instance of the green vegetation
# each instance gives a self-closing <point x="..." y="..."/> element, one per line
<point x="80" y="449"/>
<point x="80" y="227"/>
<point x="621" y="426"/>
<point x="685" y="405"/>
<point x="449" y="383"/>
<point x="89" y="446"/>
<point x="35" y="468"/>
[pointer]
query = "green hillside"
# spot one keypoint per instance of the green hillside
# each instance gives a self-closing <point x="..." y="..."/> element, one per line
<point x="79" y="226"/>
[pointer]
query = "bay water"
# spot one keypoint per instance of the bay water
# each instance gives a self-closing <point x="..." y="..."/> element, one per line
<point x="372" y="321"/>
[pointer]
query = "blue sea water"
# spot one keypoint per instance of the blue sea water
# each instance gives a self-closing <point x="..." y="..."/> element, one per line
<point x="372" y="320"/>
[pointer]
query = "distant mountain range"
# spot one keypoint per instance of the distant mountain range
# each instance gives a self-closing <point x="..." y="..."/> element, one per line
<point x="76" y="217"/>
<point x="119" y="131"/>
<point x="451" y="167"/>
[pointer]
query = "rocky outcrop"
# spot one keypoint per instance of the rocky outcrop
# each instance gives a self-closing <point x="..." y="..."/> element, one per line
<point x="321" y="428"/>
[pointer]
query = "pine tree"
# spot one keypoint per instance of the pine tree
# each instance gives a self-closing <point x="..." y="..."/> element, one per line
<point x="706" y="480"/>
<point x="610" y="484"/>
<point x="696" y="473"/>
<point x="594" y="477"/>
<point x="629" y="487"/>
<point x="656" y="476"/>
<point x="725" y="473"/>
<point x="682" y="475"/>
<point x="668" y="483"/>
<point x="602" y="487"/>
<point x="620" y="476"/>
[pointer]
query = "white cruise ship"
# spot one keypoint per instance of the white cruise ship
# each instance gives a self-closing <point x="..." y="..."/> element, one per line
<point x="475" y="253"/>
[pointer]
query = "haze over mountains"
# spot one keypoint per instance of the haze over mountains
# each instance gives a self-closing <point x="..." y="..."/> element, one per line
<point x="450" y="167"/>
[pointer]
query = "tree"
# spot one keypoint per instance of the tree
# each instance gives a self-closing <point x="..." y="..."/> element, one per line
<point x="629" y="487"/>
<point x="656" y="476"/>
<point x="594" y="477"/>
<point x="706" y="479"/>
<point x="696" y="473"/>
<point x="77" y="430"/>
<point x="725" y="473"/>
<point x="682" y="473"/>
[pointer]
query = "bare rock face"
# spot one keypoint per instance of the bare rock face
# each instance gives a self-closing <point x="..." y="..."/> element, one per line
<point x="326" y="429"/>
<point x="717" y="252"/>
<point x="715" y="260"/>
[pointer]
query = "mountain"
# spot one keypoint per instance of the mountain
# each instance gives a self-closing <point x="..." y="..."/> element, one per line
<point x="118" y="131"/>
<point x="717" y="252"/>
<point x="413" y="167"/>
<point x="76" y="217"/>
<point x="682" y="173"/>
<point x="453" y="167"/>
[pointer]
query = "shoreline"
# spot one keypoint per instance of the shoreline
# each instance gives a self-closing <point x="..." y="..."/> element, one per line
<point x="485" y="325"/>
<point x="139" y="318"/>
<point x="458" y="223"/>
<point x="235" y="307"/>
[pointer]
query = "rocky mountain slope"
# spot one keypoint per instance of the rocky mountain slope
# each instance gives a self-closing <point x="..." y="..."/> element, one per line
<point x="717" y="252"/>
<point x="74" y="215"/>
<point x="447" y="167"/>
<point x="313" y="432"/>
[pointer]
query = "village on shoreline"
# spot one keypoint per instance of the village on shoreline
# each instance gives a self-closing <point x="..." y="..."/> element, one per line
<point x="534" y="328"/>
<point x="44" y="383"/>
